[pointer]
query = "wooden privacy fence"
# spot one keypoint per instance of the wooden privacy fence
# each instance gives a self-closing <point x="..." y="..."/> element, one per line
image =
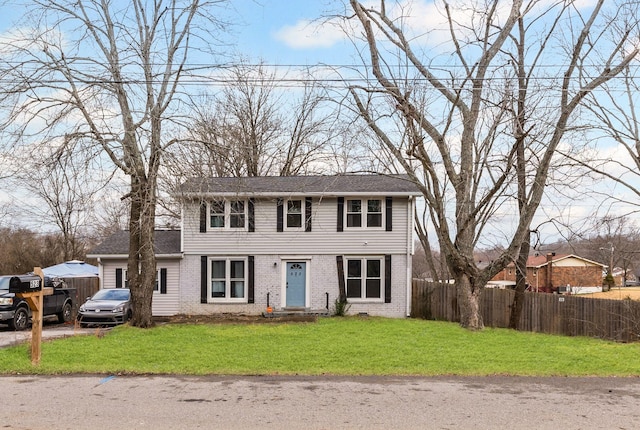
<point x="82" y="288"/>
<point x="617" y="320"/>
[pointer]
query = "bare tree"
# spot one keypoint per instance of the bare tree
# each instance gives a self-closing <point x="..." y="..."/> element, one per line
<point x="258" y="126"/>
<point x="85" y="73"/>
<point x="616" y="108"/>
<point x="458" y="142"/>
<point x="60" y="190"/>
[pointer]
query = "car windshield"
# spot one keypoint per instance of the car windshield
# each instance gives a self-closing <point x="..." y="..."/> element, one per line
<point x="120" y="294"/>
<point x="4" y="282"/>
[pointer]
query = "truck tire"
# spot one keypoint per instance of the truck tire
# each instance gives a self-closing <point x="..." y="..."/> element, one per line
<point x="20" y="320"/>
<point x="64" y="315"/>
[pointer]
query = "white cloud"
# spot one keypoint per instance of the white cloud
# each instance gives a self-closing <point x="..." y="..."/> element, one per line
<point x="310" y="34"/>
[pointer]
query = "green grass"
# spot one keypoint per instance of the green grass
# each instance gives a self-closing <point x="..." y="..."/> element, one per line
<point x="339" y="346"/>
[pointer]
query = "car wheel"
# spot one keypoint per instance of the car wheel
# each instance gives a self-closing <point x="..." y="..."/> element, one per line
<point x="20" y="319"/>
<point x="65" y="314"/>
<point x="129" y="315"/>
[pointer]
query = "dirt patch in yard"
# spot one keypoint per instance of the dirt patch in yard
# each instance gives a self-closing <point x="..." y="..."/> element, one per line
<point x="233" y="319"/>
<point x="616" y="293"/>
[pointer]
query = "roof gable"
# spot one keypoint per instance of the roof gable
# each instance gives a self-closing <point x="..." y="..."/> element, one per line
<point x="538" y="261"/>
<point x="299" y="185"/>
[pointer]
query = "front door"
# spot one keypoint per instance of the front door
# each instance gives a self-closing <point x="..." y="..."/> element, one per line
<point x="296" y="284"/>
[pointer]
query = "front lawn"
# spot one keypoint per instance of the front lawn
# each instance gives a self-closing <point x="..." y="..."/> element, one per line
<point x="338" y="346"/>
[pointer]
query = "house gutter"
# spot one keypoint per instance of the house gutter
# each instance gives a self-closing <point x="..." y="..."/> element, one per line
<point x="271" y="194"/>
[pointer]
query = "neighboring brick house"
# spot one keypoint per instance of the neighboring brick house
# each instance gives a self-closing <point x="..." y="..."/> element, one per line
<point x="556" y="273"/>
<point x="290" y="242"/>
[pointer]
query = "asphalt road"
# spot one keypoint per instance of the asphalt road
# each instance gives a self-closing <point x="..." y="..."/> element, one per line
<point x="140" y="402"/>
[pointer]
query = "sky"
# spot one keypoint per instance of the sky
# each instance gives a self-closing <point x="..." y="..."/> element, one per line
<point x="289" y="34"/>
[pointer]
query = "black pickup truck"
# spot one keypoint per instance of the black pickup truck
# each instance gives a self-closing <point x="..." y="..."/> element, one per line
<point x="15" y="311"/>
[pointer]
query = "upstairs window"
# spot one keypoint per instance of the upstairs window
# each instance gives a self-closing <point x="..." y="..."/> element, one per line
<point x="227" y="214"/>
<point x="374" y="213"/>
<point x="294" y="213"/>
<point x="217" y="214"/>
<point x="364" y="213"/>
<point x="354" y="213"/>
<point x="236" y="214"/>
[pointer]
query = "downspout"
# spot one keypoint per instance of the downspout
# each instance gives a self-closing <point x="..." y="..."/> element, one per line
<point x="410" y="212"/>
<point x="100" y="272"/>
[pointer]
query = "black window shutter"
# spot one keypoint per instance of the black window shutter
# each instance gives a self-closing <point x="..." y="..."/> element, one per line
<point x="387" y="279"/>
<point x="389" y="212"/>
<point x="342" y="297"/>
<point x="280" y="215"/>
<point x="118" y="278"/>
<point x="163" y="281"/>
<point x="203" y="279"/>
<point x="251" y="280"/>
<point x="307" y="214"/>
<point x="203" y="217"/>
<point x="252" y="220"/>
<point x="340" y="213"/>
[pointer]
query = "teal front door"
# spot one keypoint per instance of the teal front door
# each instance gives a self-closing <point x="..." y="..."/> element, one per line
<point x="296" y="284"/>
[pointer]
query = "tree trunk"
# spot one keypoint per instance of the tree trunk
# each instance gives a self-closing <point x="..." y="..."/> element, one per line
<point x="521" y="282"/>
<point x="469" y="302"/>
<point x="142" y="262"/>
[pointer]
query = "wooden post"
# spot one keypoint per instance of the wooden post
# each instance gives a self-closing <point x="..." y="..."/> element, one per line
<point x="36" y="304"/>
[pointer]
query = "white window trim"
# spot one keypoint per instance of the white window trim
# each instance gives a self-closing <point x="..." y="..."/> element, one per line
<point x="303" y="213"/>
<point x="227" y="271"/>
<point x="227" y="216"/>
<point x="157" y="282"/>
<point x="364" y="204"/>
<point x="363" y="279"/>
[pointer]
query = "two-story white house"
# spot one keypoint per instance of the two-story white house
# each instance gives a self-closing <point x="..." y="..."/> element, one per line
<point x="291" y="243"/>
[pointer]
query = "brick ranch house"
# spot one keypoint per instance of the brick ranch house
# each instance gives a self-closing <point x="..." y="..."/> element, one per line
<point x="556" y="273"/>
<point x="291" y="243"/>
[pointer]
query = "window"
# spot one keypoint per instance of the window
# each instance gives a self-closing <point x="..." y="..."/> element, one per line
<point x="354" y="213"/>
<point x="156" y="284"/>
<point x="294" y="213"/>
<point x="228" y="280"/>
<point x="217" y="214"/>
<point x="364" y="278"/>
<point x="374" y="213"/>
<point x="236" y="215"/>
<point x="230" y="214"/>
<point x="369" y="210"/>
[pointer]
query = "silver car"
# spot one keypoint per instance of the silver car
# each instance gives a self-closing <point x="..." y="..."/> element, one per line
<point x="110" y="306"/>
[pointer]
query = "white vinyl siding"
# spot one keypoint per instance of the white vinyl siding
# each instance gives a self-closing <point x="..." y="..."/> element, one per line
<point x="323" y="239"/>
<point x="162" y="304"/>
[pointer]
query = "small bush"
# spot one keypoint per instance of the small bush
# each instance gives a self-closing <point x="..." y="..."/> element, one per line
<point x="340" y="308"/>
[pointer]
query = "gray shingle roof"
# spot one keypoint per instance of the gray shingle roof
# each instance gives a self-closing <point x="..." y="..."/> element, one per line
<point x="166" y="242"/>
<point x="308" y="185"/>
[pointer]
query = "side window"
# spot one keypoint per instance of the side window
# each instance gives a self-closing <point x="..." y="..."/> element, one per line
<point x="156" y="284"/>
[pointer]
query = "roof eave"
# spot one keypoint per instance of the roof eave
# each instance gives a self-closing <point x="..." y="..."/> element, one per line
<point x="205" y="194"/>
